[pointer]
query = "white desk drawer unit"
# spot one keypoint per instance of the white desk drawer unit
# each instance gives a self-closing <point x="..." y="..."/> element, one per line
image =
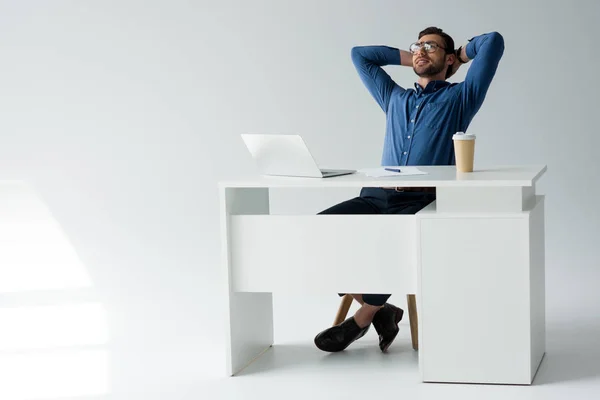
<point x="482" y="285"/>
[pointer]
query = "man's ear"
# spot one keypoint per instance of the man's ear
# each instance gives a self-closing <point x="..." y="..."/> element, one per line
<point x="451" y="59"/>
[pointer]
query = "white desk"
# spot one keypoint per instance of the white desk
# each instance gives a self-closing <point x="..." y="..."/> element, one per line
<point x="474" y="258"/>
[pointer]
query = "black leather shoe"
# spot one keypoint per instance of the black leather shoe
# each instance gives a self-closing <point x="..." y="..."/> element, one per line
<point x="386" y="322"/>
<point x="338" y="337"/>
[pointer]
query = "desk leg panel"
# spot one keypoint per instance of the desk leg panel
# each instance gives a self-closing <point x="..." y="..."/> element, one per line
<point x="248" y="316"/>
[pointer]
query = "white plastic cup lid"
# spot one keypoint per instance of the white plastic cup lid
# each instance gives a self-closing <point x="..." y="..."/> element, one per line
<point x="463" y="136"/>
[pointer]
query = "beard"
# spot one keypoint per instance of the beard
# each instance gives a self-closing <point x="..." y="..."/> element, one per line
<point x="429" y="70"/>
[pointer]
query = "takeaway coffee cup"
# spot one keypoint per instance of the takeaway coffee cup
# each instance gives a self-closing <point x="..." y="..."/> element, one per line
<point x="464" y="150"/>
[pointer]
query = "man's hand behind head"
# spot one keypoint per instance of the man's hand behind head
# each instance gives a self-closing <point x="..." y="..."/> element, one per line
<point x="460" y="58"/>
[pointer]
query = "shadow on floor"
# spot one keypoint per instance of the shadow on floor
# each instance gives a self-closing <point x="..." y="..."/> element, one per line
<point x="572" y="354"/>
<point x="286" y="357"/>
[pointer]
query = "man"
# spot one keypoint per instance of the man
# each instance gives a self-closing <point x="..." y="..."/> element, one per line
<point x="420" y="123"/>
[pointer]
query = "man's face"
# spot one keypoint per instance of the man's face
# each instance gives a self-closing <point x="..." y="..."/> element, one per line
<point x="430" y="64"/>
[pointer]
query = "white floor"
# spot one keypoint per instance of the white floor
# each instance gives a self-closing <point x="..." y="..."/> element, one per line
<point x="570" y="370"/>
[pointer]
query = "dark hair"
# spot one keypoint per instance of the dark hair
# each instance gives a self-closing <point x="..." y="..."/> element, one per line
<point x="448" y="42"/>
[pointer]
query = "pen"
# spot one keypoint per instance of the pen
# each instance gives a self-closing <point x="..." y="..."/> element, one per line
<point x="393" y="169"/>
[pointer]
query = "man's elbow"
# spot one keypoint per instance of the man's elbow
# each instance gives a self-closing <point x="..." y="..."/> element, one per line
<point x="357" y="56"/>
<point x="355" y="52"/>
<point x="496" y="40"/>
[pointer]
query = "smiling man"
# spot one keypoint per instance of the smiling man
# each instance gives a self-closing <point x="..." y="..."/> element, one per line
<point x="420" y="123"/>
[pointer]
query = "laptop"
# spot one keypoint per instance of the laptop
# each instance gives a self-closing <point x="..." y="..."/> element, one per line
<point x="286" y="155"/>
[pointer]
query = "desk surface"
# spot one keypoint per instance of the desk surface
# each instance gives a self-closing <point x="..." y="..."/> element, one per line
<point x="437" y="176"/>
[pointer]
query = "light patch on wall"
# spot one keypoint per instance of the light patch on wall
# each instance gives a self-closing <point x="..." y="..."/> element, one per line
<point x="34" y="252"/>
<point x="52" y="345"/>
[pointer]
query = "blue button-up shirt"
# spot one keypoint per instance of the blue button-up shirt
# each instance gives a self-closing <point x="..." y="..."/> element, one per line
<point x="420" y="122"/>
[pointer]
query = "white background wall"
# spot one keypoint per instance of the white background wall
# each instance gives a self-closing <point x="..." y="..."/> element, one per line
<point x="123" y="115"/>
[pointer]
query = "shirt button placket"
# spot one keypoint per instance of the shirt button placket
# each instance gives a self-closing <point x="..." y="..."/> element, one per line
<point x="412" y="121"/>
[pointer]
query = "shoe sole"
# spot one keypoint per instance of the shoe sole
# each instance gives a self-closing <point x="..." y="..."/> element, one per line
<point x="399" y="315"/>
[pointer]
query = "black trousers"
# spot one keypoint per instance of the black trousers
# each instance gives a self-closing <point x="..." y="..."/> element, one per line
<point x="382" y="201"/>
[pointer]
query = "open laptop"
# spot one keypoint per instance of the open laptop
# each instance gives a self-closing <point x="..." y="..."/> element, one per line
<point x="286" y="155"/>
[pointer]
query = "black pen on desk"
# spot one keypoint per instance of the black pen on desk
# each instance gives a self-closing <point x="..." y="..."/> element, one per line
<point x="393" y="169"/>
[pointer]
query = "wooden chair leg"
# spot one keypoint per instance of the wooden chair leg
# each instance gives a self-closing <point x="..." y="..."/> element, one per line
<point x="343" y="309"/>
<point x="414" y="321"/>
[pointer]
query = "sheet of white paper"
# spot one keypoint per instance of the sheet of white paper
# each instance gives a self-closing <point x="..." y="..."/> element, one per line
<point x="382" y="172"/>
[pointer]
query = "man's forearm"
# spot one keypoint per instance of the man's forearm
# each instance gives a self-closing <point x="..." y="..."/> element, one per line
<point x="491" y="44"/>
<point x="381" y="56"/>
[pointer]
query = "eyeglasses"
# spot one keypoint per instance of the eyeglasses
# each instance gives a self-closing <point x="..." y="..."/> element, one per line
<point x="430" y="47"/>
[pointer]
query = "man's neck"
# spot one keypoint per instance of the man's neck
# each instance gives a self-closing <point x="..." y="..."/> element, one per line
<point x="424" y="80"/>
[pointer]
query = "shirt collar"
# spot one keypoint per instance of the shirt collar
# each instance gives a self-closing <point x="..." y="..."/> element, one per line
<point x="431" y="86"/>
